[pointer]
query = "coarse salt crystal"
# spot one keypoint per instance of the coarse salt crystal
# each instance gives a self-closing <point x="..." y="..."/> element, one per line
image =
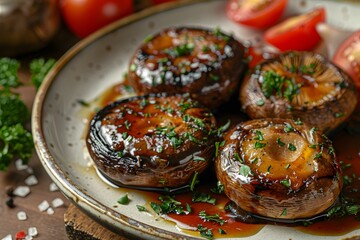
<point x="29" y="170"/>
<point x="31" y="180"/>
<point x="21" y="191"/>
<point x="53" y="187"/>
<point x="27" y="237"/>
<point x="43" y="206"/>
<point x="50" y="211"/>
<point x="32" y="231"/>
<point x="7" y="237"/>
<point x="22" y="216"/>
<point x="20" y="165"/>
<point x="57" y="202"/>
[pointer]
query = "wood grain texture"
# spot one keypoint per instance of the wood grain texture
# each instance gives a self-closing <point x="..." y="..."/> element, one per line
<point x="48" y="226"/>
<point x="80" y="227"/>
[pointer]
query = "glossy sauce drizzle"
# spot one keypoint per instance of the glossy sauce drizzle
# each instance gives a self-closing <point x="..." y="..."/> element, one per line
<point x="347" y="146"/>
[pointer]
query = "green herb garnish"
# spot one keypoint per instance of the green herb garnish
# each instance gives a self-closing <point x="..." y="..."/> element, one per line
<point x="124" y="200"/>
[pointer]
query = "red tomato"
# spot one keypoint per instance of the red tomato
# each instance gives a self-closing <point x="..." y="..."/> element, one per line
<point x="348" y="57"/>
<point x="86" y="16"/>
<point x="296" y="33"/>
<point x="255" y="13"/>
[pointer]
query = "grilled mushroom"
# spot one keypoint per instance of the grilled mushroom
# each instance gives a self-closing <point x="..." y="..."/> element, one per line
<point x="299" y="85"/>
<point x="205" y="63"/>
<point x="278" y="168"/>
<point x="156" y="141"/>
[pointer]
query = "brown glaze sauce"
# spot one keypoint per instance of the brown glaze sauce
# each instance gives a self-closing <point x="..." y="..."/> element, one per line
<point x="346" y="142"/>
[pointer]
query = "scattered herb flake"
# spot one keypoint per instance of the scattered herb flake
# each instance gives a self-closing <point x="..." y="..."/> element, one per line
<point x="259" y="145"/>
<point x="205" y="232"/>
<point x="124" y="200"/>
<point x="279" y="142"/>
<point x="245" y="170"/>
<point x="203" y="197"/>
<point x="286" y="182"/>
<point x="288" y="128"/>
<point x="211" y="218"/>
<point x="339" y="115"/>
<point x="194" y="181"/>
<point x="292" y="147"/>
<point x="141" y="208"/>
<point x="238" y="158"/>
<point x="259" y="135"/>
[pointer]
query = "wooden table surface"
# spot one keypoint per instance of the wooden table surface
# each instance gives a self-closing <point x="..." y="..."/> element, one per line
<point x="48" y="226"/>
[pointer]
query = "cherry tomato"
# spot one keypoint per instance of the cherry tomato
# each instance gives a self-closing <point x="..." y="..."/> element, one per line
<point x="86" y="16"/>
<point x="255" y="13"/>
<point x="296" y="33"/>
<point x="348" y="57"/>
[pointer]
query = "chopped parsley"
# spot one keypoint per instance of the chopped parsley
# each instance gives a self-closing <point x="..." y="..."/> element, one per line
<point x="339" y="115"/>
<point x="217" y="146"/>
<point x="141" y="208"/>
<point x="288" y="128"/>
<point x="211" y="218"/>
<point x="259" y="135"/>
<point x="203" y="197"/>
<point x="286" y="182"/>
<point x="259" y="145"/>
<point x="279" y="142"/>
<point x="194" y="181"/>
<point x="275" y="84"/>
<point x="124" y="200"/>
<point x="238" y="158"/>
<point x="245" y="171"/>
<point x="291" y="147"/>
<point x="167" y="205"/>
<point x="205" y="232"/>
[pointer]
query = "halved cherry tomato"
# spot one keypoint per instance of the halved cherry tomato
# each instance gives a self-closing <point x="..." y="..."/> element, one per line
<point x="348" y="57"/>
<point x="255" y="13"/>
<point x="86" y="16"/>
<point x="296" y="33"/>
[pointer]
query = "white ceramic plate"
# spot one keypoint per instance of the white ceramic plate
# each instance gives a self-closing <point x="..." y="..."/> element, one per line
<point x="97" y="63"/>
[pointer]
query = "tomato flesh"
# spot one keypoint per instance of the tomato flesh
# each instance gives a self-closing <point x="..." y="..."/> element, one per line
<point x="347" y="57"/>
<point x="296" y="33"/>
<point x="84" y="17"/>
<point x="255" y="13"/>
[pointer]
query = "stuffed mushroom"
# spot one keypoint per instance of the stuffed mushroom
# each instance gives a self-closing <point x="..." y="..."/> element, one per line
<point x="299" y="85"/>
<point x="152" y="141"/>
<point x="279" y="169"/>
<point x="206" y="63"/>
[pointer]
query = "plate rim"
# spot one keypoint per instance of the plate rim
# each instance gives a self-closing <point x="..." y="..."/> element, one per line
<point x="82" y="200"/>
<point x="71" y="191"/>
